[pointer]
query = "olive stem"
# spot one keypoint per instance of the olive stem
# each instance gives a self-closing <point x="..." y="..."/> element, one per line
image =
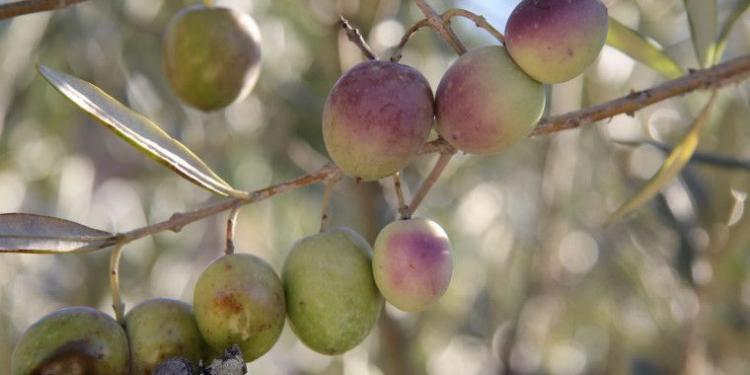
<point x="20" y="8"/>
<point x="326" y="202"/>
<point x="403" y="209"/>
<point x="442" y="28"/>
<point x="208" y="3"/>
<point x="396" y="55"/>
<point x="114" y="282"/>
<point x="231" y="226"/>
<point x="478" y="20"/>
<point x="428" y="182"/>
<point x="355" y="36"/>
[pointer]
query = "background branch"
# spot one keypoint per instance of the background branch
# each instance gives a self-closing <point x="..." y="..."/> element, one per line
<point x="705" y="79"/>
<point x="20" y="8"/>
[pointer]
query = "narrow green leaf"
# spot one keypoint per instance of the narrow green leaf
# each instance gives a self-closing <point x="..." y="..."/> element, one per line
<point x="703" y="18"/>
<point x="137" y="130"/>
<point x="641" y="49"/>
<point x="721" y="43"/>
<point x="36" y="234"/>
<point x="673" y="165"/>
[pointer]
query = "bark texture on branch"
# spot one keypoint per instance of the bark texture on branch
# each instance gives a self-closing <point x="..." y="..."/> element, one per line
<point x="20" y="8"/>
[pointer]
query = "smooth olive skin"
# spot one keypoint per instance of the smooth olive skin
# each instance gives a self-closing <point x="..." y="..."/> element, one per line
<point x="332" y="299"/>
<point x="412" y="263"/>
<point x="376" y="118"/>
<point x="554" y="41"/>
<point x="239" y="299"/>
<point x="211" y="56"/>
<point x="160" y="329"/>
<point x="72" y="341"/>
<point x="486" y="103"/>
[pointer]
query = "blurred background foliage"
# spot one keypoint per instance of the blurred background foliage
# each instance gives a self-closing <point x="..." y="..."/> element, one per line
<point x="540" y="286"/>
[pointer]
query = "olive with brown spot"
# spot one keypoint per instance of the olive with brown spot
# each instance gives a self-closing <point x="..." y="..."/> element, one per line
<point x="72" y="341"/>
<point x="239" y="299"/>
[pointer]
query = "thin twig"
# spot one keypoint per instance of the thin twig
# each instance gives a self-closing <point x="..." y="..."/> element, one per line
<point x="428" y="182"/>
<point x="396" y="55"/>
<point x="179" y="220"/>
<point x="403" y="209"/>
<point x="437" y="23"/>
<point x="231" y="226"/>
<point x="356" y="37"/>
<point x="114" y="282"/>
<point x="326" y="202"/>
<point x="478" y="20"/>
<point x="20" y="8"/>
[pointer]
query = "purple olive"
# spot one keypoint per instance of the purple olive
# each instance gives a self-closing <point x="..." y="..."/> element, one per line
<point x="376" y="118"/>
<point x="555" y="40"/>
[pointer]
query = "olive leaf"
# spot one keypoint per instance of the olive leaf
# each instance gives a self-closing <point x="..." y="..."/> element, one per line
<point x="37" y="234"/>
<point x="703" y="19"/>
<point x="673" y="165"/>
<point x="641" y="49"/>
<point x="721" y="42"/>
<point x="138" y="130"/>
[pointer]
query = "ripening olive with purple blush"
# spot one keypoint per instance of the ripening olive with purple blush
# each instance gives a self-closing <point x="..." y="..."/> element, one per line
<point x="485" y="102"/>
<point x="376" y="118"/>
<point x="555" y="40"/>
<point x="412" y="263"/>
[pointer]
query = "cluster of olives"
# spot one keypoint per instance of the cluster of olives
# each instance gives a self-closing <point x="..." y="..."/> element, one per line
<point x="379" y="113"/>
<point x="330" y="289"/>
<point x="376" y="118"/>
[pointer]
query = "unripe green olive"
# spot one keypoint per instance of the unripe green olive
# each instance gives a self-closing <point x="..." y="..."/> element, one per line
<point x="211" y="56"/>
<point x="239" y="299"/>
<point x="160" y="329"/>
<point x="332" y="299"/>
<point x="72" y="341"/>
